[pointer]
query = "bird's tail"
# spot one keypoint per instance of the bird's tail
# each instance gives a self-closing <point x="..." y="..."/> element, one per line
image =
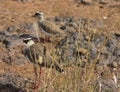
<point x="58" y="68"/>
<point x="54" y="65"/>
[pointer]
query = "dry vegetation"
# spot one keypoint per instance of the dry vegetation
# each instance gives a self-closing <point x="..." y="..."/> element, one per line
<point x="81" y="79"/>
<point x="86" y="76"/>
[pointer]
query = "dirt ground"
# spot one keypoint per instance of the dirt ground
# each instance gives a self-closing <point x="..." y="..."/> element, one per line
<point x="14" y="12"/>
<point x="17" y="12"/>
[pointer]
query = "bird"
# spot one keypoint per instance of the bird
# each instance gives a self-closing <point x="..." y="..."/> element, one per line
<point x="36" y="53"/>
<point x="47" y="27"/>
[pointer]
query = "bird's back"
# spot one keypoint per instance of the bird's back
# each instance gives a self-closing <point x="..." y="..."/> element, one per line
<point x="50" y="28"/>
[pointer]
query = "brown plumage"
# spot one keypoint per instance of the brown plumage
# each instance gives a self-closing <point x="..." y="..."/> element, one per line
<point x="47" y="27"/>
<point x="50" y="28"/>
<point x="36" y="53"/>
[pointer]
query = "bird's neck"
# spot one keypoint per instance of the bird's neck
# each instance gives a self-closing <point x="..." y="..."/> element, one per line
<point x="41" y="18"/>
<point x="30" y="43"/>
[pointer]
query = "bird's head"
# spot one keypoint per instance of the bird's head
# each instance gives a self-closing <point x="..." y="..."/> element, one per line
<point x="28" y="42"/>
<point x="39" y="15"/>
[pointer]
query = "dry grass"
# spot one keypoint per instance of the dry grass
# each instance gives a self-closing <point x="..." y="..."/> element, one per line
<point x="76" y="78"/>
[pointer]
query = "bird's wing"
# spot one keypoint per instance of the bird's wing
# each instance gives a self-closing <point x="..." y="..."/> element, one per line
<point x="50" y="27"/>
<point x="35" y="53"/>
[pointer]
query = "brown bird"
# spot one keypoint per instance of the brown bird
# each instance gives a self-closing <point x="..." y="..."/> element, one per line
<point x="47" y="27"/>
<point x="36" y="54"/>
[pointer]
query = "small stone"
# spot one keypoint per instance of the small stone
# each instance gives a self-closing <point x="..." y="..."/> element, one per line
<point x="82" y="50"/>
<point x="63" y="27"/>
<point x="117" y="33"/>
<point x="117" y="52"/>
<point x="87" y="38"/>
<point x="12" y="28"/>
<point x="57" y="19"/>
<point x="2" y="36"/>
<point x="114" y="64"/>
<point x="13" y="41"/>
<point x="119" y="63"/>
<point x="104" y="17"/>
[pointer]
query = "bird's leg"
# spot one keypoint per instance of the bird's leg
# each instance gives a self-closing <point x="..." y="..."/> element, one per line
<point x="28" y="59"/>
<point x="35" y="70"/>
<point x="40" y="73"/>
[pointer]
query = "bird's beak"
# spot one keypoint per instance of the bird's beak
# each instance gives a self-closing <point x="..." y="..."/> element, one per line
<point x="34" y="16"/>
<point x="37" y="14"/>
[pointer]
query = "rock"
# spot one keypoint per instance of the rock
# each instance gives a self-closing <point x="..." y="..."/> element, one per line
<point x="13" y="41"/>
<point x="65" y="19"/>
<point x="30" y="29"/>
<point x="63" y="27"/>
<point x="84" y="2"/>
<point x="111" y="45"/>
<point x="2" y="36"/>
<point x="117" y="60"/>
<point x="9" y="88"/>
<point x="8" y="60"/>
<point x="68" y="19"/>
<point x="98" y="40"/>
<point x="58" y="19"/>
<point x="108" y="85"/>
<point x="82" y="51"/>
<point x="114" y="64"/>
<point x="103" y="2"/>
<point x="23" y="1"/>
<point x="13" y="29"/>
<point x="10" y="82"/>
<point x="117" y="34"/>
<point x="117" y="52"/>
